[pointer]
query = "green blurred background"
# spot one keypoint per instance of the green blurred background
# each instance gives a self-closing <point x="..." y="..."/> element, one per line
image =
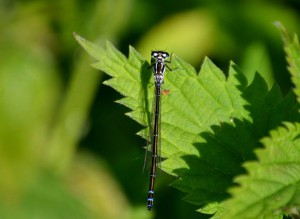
<point x="66" y="149"/>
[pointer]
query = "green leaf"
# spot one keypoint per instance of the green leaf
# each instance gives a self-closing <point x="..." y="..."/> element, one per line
<point x="272" y="185"/>
<point x="210" y="124"/>
<point x="93" y="50"/>
<point x="292" y="50"/>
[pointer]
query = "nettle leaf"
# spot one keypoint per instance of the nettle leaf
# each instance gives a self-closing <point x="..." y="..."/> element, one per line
<point x="210" y="124"/>
<point x="292" y="49"/>
<point x="272" y="185"/>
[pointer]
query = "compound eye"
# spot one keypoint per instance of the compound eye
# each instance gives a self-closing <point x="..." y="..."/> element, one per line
<point x="154" y="54"/>
<point x="165" y="55"/>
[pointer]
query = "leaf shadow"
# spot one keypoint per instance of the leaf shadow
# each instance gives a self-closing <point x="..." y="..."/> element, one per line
<point x="145" y="76"/>
<point x="221" y="155"/>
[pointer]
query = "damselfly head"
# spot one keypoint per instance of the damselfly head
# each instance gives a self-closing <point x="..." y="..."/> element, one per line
<point x="159" y="55"/>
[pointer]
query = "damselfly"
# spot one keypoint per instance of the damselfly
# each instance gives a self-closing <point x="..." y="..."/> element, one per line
<point x="159" y="66"/>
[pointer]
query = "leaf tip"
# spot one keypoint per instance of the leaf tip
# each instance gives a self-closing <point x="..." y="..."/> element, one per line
<point x="78" y="38"/>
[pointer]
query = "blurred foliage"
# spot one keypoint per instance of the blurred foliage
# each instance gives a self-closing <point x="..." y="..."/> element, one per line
<point x="53" y="107"/>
